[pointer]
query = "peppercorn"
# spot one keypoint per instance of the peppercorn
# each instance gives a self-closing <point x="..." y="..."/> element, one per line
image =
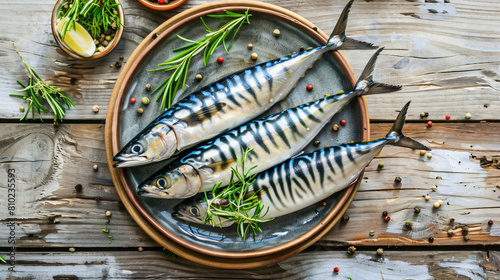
<point x="429" y="155"/>
<point x="335" y="127"/>
<point x="452" y="219"/>
<point x="450" y="232"/>
<point x="436" y="204"/>
<point x="95" y="167"/>
<point x="254" y="56"/>
<point x="140" y="249"/>
<point x="95" y="108"/>
<point x="309" y="87"/>
<point x="380" y="251"/>
<point x="409" y="224"/>
<point x="198" y="77"/>
<point x="250" y="46"/>
<point x="431" y="239"/>
<point x="434" y="188"/>
<point x="121" y="57"/>
<point x="343" y="122"/>
<point x="140" y="110"/>
<point x="440" y="201"/>
<point x="465" y="229"/>
<point x="145" y="100"/>
<point x="398" y="179"/>
<point x="220" y="59"/>
<point x="316" y="143"/>
<point x="345" y="218"/>
<point x="155" y="35"/>
<point x="466" y="237"/>
<point x="351" y="250"/>
<point x="72" y="249"/>
<point x="423" y="152"/>
<point x="422" y="115"/>
<point x="427" y="197"/>
<point x="387" y="218"/>
<point x="132" y="100"/>
<point x="78" y="187"/>
<point x="301" y="49"/>
<point x="447" y="117"/>
<point x="416" y="210"/>
<point x="468" y="116"/>
<point x="336" y="269"/>
<point x="429" y="123"/>
<point x="490" y="222"/>
<point x="371" y="233"/>
<point x="108" y="213"/>
<point x="384" y="213"/>
<point x="276" y="32"/>
<point x="380" y="165"/>
<point x="161" y="2"/>
<point x="21" y="108"/>
<point x="322" y="203"/>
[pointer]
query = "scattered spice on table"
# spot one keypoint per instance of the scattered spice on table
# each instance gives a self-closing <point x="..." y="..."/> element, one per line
<point x="436" y="204"/>
<point x="447" y="117"/>
<point x="345" y="218"/>
<point x="145" y="100"/>
<point x="78" y="187"/>
<point x="276" y="32"/>
<point x="387" y="218"/>
<point x="429" y="123"/>
<point x="384" y="213"/>
<point x="72" y="249"/>
<point x="468" y="116"/>
<point x="380" y="251"/>
<point x="343" y="122"/>
<point x="351" y="250"/>
<point x="490" y="222"/>
<point x="309" y="87"/>
<point x="431" y="239"/>
<point x="427" y="197"/>
<point x="95" y="167"/>
<point x="336" y="269"/>
<point x="371" y="233"/>
<point x="429" y="155"/>
<point x="416" y="210"/>
<point x="380" y="165"/>
<point x="108" y="213"/>
<point x="398" y="179"/>
<point x="220" y="59"/>
<point x="335" y="127"/>
<point x="250" y="46"/>
<point x="409" y="224"/>
<point x="140" y="111"/>
<point x="148" y="87"/>
<point x="434" y="188"/>
<point x="423" y="152"/>
<point x="198" y="77"/>
<point x="254" y="56"/>
<point x="132" y="100"/>
<point x="95" y="108"/>
<point x="452" y="219"/>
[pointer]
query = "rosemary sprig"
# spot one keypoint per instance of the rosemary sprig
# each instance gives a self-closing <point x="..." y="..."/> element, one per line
<point x="242" y="207"/>
<point x="180" y="63"/>
<point x="37" y="91"/>
<point x="94" y="15"/>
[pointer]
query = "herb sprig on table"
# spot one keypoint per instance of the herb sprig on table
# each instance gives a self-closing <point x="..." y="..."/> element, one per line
<point x="180" y="63"/>
<point x="37" y="91"/>
<point x="95" y="16"/>
<point x="239" y="205"/>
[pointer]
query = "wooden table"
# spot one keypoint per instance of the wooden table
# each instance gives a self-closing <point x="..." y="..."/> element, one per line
<point x="446" y="54"/>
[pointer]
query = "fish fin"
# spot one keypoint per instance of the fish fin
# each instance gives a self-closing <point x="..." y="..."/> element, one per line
<point x="396" y="136"/>
<point x="220" y="164"/>
<point x="353" y="44"/>
<point x="378" y="154"/>
<point x="204" y="113"/>
<point x="366" y="79"/>
<point x="338" y="33"/>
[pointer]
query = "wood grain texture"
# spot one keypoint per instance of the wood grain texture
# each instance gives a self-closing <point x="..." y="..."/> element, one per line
<point x="63" y="157"/>
<point x="308" y="265"/>
<point x="444" y="54"/>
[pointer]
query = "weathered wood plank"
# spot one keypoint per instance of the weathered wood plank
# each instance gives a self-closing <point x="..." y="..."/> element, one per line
<point x="50" y="161"/>
<point x="306" y="265"/>
<point x="444" y="54"/>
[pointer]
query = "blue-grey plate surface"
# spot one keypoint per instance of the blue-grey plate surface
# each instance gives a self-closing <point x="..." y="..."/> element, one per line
<point x="327" y="76"/>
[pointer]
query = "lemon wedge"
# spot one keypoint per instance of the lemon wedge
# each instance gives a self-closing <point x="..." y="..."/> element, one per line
<point x="78" y="40"/>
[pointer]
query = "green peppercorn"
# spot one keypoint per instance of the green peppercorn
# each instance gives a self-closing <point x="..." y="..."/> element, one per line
<point x="72" y="249"/>
<point x="108" y="38"/>
<point x="145" y="100"/>
<point x="276" y="32"/>
<point x="140" y="111"/>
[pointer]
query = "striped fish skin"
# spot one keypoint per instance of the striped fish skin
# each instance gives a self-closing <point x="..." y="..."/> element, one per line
<point x="273" y="139"/>
<point x="308" y="179"/>
<point x="223" y="105"/>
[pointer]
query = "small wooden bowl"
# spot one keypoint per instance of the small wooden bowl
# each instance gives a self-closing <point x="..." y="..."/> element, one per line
<point x="162" y="7"/>
<point x="69" y="51"/>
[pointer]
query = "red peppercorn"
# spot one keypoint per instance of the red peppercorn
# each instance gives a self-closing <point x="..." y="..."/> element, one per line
<point x="429" y="123"/>
<point x="343" y="122"/>
<point x="490" y="222"/>
<point x="448" y="117"/>
<point x="132" y="100"/>
<point x="161" y="1"/>
<point x="309" y="87"/>
<point x="384" y="213"/>
<point x="322" y="203"/>
<point x="387" y="218"/>
<point x="336" y="269"/>
<point x="220" y="59"/>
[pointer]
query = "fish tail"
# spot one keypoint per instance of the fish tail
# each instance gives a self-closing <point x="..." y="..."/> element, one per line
<point x="338" y="34"/>
<point x="366" y="85"/>
<point x="396" y="137"/>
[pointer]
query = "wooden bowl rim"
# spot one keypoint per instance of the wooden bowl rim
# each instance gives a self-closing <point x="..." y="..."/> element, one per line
<point x="70" y="52"/>
<point x="163" y="7"/>
<point x="151" y="227"/>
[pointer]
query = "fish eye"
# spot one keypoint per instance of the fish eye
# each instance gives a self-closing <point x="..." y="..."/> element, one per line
<point x="194" y="211"/>
<point x="162" y="183"/>
<point x="137" y="148"/>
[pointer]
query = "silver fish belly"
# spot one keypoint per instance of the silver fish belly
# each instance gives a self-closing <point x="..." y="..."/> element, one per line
<point x="223" y="105"/>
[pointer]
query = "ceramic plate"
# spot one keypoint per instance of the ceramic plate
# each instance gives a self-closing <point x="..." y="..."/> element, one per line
<point x="329" y="75"/>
